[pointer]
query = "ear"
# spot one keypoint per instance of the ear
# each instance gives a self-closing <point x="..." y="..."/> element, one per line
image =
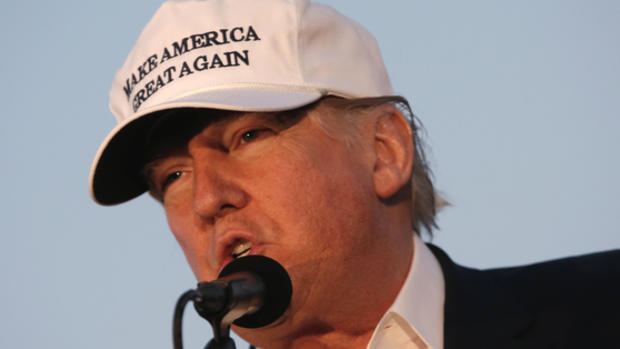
<point x="394" y="151"/>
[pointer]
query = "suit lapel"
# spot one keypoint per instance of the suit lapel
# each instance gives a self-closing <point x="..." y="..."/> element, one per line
<point x="479" y="312"/>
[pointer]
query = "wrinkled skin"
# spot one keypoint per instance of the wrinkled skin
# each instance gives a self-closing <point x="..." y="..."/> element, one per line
<point x="333" y="211"/>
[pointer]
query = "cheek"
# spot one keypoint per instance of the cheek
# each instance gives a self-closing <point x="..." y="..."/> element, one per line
<point x="320" y="202"/>
<point x="318" y="192"/>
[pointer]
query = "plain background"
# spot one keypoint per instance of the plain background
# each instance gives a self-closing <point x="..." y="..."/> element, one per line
<point x="520" y="102"/>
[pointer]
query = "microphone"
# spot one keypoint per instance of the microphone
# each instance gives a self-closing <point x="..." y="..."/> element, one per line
<point x="251" y="292"/>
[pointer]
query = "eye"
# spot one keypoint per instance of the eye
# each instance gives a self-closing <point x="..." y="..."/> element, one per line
<point x="165" y="171"/>
<point x="170" y="179"/>
<point x="250" y="135"/>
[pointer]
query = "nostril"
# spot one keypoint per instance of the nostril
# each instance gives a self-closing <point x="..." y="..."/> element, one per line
<point x="225" y="209"/>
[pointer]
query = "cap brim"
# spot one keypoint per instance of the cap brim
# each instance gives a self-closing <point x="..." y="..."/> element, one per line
<point x="115" y="175"/>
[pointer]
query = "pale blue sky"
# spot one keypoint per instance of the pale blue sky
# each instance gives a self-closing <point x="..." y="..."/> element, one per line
<point x="520" y="100"/>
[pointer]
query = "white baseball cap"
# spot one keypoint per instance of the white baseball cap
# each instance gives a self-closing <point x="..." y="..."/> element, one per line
<point x="243" y="55"/>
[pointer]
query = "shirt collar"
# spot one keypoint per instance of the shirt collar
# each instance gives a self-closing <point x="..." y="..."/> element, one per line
<point x="417" y="312"/>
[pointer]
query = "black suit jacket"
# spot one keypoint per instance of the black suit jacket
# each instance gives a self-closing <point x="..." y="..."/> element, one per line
<point x="567" y="303"/>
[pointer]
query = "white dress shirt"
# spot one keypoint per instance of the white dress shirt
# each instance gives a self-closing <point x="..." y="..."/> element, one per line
<point x="415" y="319"/>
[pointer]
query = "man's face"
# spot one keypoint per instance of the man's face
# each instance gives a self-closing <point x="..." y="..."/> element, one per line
<point x="286" y="189"/>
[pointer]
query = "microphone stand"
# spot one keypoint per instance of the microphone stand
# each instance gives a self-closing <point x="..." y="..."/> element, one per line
<point x="220" y="318"/>
<point x="221" y="338"/>
<point x="253" y="291"/>
<point x="219" y="321"/>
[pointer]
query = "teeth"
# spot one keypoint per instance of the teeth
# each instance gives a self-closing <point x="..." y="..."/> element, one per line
<point x="241" y="248"/>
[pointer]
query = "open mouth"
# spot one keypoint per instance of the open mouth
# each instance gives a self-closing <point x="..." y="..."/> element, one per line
<point x="241" y="248"/>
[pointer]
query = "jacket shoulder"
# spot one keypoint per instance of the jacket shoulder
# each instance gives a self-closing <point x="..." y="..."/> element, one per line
<point x="575" y="298"/>
<point x="565" y="303"/>
<point x="593" y="275"/>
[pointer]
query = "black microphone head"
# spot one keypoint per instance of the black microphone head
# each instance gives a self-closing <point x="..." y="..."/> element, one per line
<point x="278" y="288"/>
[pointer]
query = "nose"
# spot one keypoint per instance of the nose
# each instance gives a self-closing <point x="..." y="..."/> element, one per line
<point x="216" y="190"/>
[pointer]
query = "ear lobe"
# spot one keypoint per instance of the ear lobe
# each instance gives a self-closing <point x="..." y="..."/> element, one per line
<point x="394" y="151"/>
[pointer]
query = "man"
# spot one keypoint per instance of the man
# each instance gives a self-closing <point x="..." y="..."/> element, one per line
<point x="270" y="127"/>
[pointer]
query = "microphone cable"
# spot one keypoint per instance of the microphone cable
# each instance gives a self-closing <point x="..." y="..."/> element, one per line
<point x="177" y="319"/>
